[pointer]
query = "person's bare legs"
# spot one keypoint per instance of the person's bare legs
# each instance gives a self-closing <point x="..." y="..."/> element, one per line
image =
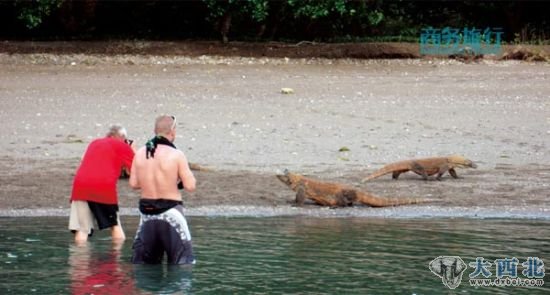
<point x="80" y="237"/>
<point x="117" y="244"/>
<point x="117" y="234"/>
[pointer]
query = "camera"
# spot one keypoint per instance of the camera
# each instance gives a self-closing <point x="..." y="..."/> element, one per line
<point x="124" y="173"/>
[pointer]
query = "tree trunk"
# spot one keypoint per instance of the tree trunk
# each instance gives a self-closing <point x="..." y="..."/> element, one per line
<point x="225" y="26"/>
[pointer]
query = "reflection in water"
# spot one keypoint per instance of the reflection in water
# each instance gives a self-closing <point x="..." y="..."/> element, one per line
<point x="98" y="272"/>
<point x="163" y="279"/>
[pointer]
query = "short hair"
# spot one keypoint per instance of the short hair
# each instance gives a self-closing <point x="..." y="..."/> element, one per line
<point x="117" y="130"/>
<point x="164" y="124"/>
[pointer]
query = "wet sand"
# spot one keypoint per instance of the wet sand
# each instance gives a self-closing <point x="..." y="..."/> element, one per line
<point x="233" y="118"/>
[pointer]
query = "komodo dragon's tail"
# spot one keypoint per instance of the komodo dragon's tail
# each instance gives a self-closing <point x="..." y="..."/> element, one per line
<point x="197" y="167"/>
<point x="376" y="201"/>
<point x="390" y="168"/>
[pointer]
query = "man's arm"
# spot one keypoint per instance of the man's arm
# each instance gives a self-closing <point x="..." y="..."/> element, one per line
<point x="134" y="182"/>
<point x="127" y="160"/>
<point x="127" y="154"/>
<point x="185" y="174"/>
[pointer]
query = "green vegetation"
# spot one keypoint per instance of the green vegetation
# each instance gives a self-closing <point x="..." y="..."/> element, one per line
<point x="31" y="13"/>
<point x="265" y="20"/>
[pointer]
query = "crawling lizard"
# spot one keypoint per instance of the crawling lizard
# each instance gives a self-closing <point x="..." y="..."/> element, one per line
<point x="197" y="167"/>
<point x="425" y="167"/>
<point x="335" y="194"/>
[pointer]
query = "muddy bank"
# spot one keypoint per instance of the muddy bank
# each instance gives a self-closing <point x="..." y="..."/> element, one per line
<point x="304" y="49"/>
<point x="212" y="48"/>
<point x="43" y="188"/>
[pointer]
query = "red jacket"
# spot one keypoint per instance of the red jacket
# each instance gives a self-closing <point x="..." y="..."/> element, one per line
<point x="97" y="176"/>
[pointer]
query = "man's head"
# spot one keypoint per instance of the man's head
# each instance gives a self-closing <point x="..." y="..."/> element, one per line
<point x="117" y="131"/>
<point x="166" y="126"/>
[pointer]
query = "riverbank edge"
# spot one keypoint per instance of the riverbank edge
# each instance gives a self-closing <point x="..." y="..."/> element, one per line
<point x="300" y="50"/>
<point x="404" y="212"/>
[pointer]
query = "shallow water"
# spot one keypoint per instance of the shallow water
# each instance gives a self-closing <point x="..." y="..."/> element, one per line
<point x="276" y="255"/>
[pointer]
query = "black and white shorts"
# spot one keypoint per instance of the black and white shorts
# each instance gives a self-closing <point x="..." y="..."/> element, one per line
<point x="165" y="232"/>
<point x="85" y="214"/>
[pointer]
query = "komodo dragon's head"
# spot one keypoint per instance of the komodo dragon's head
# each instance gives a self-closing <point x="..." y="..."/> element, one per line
<point x="288" y="178"/>
<point x="460" y="161"/>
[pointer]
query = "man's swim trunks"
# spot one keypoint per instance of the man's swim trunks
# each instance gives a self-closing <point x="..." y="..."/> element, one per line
<point x="162" y="229"/>
<point x="85" y="213"/>
<point x="106" y="215"/>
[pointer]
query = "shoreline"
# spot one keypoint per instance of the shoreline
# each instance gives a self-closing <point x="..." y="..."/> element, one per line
<point x="402" y="212"/>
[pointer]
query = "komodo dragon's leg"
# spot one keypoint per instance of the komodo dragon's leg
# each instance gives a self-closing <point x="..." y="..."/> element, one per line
<point x="395" y="174"/>
<point x="452" y="171"/>
<point x="338" y="202"/>
<point x="349" y="196"/>
<point x="418" y="169"/>
<point x="442" y="170"/>
<point x="300" y="195"/>
<point x="345" y="198"/>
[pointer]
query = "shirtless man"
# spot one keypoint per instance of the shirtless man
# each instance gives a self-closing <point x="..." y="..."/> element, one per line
<point x="158" y="170"/>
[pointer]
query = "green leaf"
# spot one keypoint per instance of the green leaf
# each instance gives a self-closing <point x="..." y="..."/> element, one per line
<point x="344" y="149"/>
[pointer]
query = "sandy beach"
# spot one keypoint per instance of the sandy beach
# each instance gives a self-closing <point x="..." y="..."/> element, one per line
<point x="233" y="118"/>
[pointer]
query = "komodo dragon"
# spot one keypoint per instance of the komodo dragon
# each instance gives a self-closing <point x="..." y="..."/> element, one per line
<point x="335" y="194"/>
<point x="425" y="167"/>
<point x="197" y="167"/>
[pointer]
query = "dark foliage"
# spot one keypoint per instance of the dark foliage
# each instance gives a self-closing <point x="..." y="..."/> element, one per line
<point x="261" y="20"/>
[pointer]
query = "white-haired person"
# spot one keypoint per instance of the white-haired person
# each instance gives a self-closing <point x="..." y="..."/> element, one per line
<point x="94" y="198"/>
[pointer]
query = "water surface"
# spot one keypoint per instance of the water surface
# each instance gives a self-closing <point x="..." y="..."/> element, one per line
<point x="276" y="255"/>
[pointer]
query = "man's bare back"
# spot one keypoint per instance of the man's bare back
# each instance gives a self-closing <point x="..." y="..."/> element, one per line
<point x="156" y="170"/>
<point x="158" y="176"/>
